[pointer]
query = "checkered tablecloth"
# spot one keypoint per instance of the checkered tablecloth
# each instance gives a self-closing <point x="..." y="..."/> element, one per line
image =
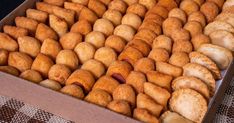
<point x="14" y="111"/>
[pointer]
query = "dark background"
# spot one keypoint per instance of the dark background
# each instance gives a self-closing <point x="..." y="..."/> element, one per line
<point x="7" y="6"/>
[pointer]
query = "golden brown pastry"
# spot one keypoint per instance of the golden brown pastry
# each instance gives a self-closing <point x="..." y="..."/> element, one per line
<point x="146" y="35"/>
<point x="82" y="78"/>
<point x="144" y="115"/>
<point x="10" y="70"/>
<point x="160" y="79"/>
<point x="163" y="41"/>
<point x="168" y="4"/>
<point x="199" y="17"/>
<point x="95" y="67"/>
<point x="7" y="43"/>
<point x="193" y="27"/>
<point x="68" y="58"/>
<point x="51" y="84"/>
<point x="189" y="6"/>
<point x="42" y="64"/>
<point x="59" y="25"/>
<point x="87" y="14"/>
<point x="178" y="13"/>
<point x="3" y="57"/>
<point x="66" y="14"/>
<point x="200" y="39"/>
<point x="95" y="38"/>
<point x="118" y="5"/>
<point x="182" y="46"/>
<point x="179" y="59"/>
<point x="124" y="31"/>
<point x="169" y="117"/>
<point x="159" y="54"/>
<point x="119" y="70"/>
<point x="148" y="3"/>
<point x="169" y="69"/>
<point x="82" y="2"/>
<point x="114" y="16"/>
<point x="136" y="80"/>
<point x="120" y="106"/>
<point x="14" y="31"/>
<point x="180" y="34"/>
<point x="29" y="45"/>
<point x="19" y="60"/>
<point x="159" y="10"/>
<point x="73" y="90"/>
<point x="210" y="10"/>
<point x="50" y="48"/>
<point x="140" y="45"/>
<point x="130" y="2"/>
<point x="152" y="17"/>
<point x="31" y="75"/>
<point x="144" y="65"/>
<point x="99" y="97"/>
<point x="190" y="82"/>
<point x="160" y="95"/>
<point x="125" y="92"/>
<point x="137" y="9"/>
<point x="132" y="20"/>
<point x="106" y="2"/>
<point x="82" y="26"/>
<point x="106" y="83"/>
<point x="219" y="3"/>
<point x="171" y="24"/>
<point x="74" y="6"/>
<point x="104" y="26"/>
<point x="26" y="23"/>
<point x="37" y="15"/>
<point x="98" y="7"/>
<point x="130" y="55"/>
<point x="55" y="2"/>
<point x="199" y="2"/>
<point x="45" y="7"/>
<point x="151" y="25"/>
<point x="59" y="73"/>
<point x="105" y="55"/>
<point x="218" y="25"/>
<point x="192" y="99"/>
<point x="43" y="32"/>
<point x="226" y="17"/>
<point x="116" y="43"/>
<point x="69" y="40"/>
<point x="84" y="51"/>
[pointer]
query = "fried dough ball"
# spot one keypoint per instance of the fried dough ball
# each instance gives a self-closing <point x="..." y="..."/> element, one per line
<point x="66" y="14"/>
<point x="163" y="41"/>
<point x="178" y="13"/>
<point x="120" y="106"/>
<point x="193" y="27"/>
<point x="59" y="73"/>
<point x="130" y="2"/>
<point x="131" y="55"/>
<point x="169" y="69"/>
<point x="159" y="10"/>
<point x="43" y="32"/>
<point x="144" y="115"/>
<point x="99" y="97"/>
<point x="19" y="60"/>
<point x="136" y="80"/>
<point x="200" y="39"/>
<point x="105" y="55"/>
<point x="124" y="31"/>
<point x="42" y="64"/>
<point x="182" y="46"/>
<point x="119" y="70"/>
<point x="148" y="3"/>
<point x="140" y="45"/>
<point x="171" y="24"/>
<point x="125" y="92"/>
<point x="95" y="38"/>
<point x="51" y="84"/>
<point x="106" y="83"/>
<point x="82" y="2"/>
<point x="50" y="48"/>
<point x="95" y="67"/>
<point x="15" y="32"/>
<point x="106" y="2"/>
<point x="7" y="43"/>
<point x="115" y="42"/>
<point x="68" y="58"/>
<point x="74" y="6"/>
<point x="82" y="26"/>
<point x="104" y="26"/>
<point x="83" y="78"/>
<point x="10" y="70"/>
<point x="118" y="5"/>
<point x="179" y="59"/>
<point x="146" y="35"/>
<point x="199" y="2"/>
<point x="180" y="34"/>
<point x="114" y="16"/>
<point x="29" y="45"/>
<point x="69" y="40"/>
<point x="87" y="14"/>
<point x="219" y="3"/>
<point x="199" y="17"/>
<point x="3" y="57"/>
<point x="210" y="10"/>
<point x="97" y="6"/>
<point x="144" y="65"/>
<point x="37" y="15"/>
<point x="189" y="6"/>
<point x="137" y="9"/>
<point x="84" y="51"/>
<point x="168" y="4"/>
<point x="132" y="20"/>
<point x="159" y="54"/>
<point x="26" y="23"/>
<point x="73" y="90"/>
<point x="31" y="75"/>
<point x="58" y="25"/>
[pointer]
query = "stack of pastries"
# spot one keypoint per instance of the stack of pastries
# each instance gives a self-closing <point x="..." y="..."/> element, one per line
<point x="153" y="60"/>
